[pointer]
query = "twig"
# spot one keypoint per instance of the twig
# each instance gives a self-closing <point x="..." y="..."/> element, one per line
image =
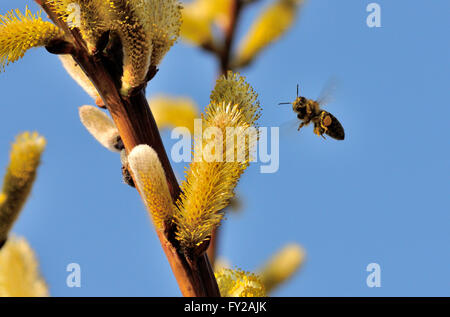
<point x="225" y="58"/>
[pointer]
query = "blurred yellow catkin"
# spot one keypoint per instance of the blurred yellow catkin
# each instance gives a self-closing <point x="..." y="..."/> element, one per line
<point x="25" y="158"/>
<point x="238" y="283"/>
<point x="273" y="22"/>
<point x="282" y="266"/>
<point x="19" y="32"/>
<point x="199" y="18"/>
<point x="19" y="274"/>
<point x="172" y="112"/>
<point x="215" y="170"/>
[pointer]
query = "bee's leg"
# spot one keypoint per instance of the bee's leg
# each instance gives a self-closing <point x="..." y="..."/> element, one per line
<point x="319" y="131"/>
<point x="301" y="126"/>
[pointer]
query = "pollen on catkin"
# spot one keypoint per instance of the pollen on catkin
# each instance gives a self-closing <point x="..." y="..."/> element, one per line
<point x="151" y="182"/>
<point x="19" y="272"/>
<point x="238" y="283"/>
<point x="174" y="112"/>
<point x="218" y="162"/>
<point x="268" y="27"/>
<point x="199" y="17"/>
<point x="25" y="157"/>
<point x="19" y="32"/>
<point x="100" y="126"/>
<point x="163" y="19"/>
<point x="232" y="88"/>
<point x="127" y="21"/>
<point x="86" y="15"/>
<point x="282" y="266"/>
<point x="147" y="29"/>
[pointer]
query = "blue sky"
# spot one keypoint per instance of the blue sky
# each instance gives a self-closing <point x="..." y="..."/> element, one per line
<point x="382" y="195"/>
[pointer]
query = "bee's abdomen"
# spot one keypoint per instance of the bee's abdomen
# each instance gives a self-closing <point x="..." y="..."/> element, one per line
<point x="335" y="128"/>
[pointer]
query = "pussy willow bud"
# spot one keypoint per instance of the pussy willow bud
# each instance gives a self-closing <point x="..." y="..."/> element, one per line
<point x="101" y="127"/>
<point x="78" y="75"/>
<point x="152" y="184"/>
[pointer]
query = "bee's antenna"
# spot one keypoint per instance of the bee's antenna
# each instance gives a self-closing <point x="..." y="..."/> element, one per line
<point x="284" y="103"/>
<point x="297" y="90"/>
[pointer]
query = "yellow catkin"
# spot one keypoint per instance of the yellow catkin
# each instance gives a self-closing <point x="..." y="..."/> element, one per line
<point x="174" y="112"/>
<point x="147" y="29"/>
<point x="19" y="273"/>
<point x="163" y="18"/>
<point x="100" y="126"/>
<point x="128" y="23"/>
<point x="19" y="32"/>
<point x="75" y="71"/>
<point x="86" y="15"/>
<point x="269" y="27"/>
<point x="238" y="283"/>
<point x="232" y="88"/>
<point x="151" y="182"/>
<point x="282" y="266"/>
<point x="199" y="16"/>
<point x="24" y="160"/>
<point x="2" y="198"/>
<point x="210" y="184"/>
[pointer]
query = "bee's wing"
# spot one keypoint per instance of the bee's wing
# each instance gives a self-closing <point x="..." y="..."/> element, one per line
<point x="328" y="91"/>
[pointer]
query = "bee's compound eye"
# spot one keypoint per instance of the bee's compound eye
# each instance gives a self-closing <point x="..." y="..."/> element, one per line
<point x="327" y="121"/>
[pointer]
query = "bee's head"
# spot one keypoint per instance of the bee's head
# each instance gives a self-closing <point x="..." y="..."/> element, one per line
<point x="299" y="106"/>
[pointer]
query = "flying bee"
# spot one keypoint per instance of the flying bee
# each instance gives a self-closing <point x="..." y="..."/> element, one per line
<point x="309" y="110"/>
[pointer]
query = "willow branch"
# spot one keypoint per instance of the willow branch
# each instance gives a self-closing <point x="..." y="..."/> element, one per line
<point x="136" y="126"/>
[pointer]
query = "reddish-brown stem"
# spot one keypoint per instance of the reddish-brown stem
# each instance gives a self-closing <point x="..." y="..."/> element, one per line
<point x="137" y="125"/>
<point x="230" y="31"/>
